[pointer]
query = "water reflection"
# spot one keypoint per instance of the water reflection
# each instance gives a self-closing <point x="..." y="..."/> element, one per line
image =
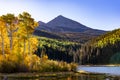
<point x="94" y="77"/>
<point x="78" y="77"/>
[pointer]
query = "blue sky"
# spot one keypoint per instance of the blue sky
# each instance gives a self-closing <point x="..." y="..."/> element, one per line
<point x="98" y="14"/>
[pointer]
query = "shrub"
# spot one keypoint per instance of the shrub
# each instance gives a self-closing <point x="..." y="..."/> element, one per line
<point x="12" y="63"/>
<point x="17" y="63"/>
<point x="56" y="66"/>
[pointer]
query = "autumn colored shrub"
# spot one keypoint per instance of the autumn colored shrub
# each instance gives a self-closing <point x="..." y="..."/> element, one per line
<point x="56" y="66"/>
<point x="10" y="63"/>
<point x="13" y="63"/>
<point x="73" y="66"/>
<point x="32" y="63"/>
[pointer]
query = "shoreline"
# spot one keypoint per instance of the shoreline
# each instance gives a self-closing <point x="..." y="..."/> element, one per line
<point x="35" y="75"/>
<point x="107" y="65"/>
<point x="45" y="75"/>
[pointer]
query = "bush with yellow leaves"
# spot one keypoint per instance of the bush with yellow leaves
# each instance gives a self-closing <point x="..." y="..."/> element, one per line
<point x="15" y="63"/>
<point x="11" y="63"/>
<point x="56" y="66"/>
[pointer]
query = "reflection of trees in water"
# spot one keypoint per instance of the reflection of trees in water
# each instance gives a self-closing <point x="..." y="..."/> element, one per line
<point x="87" y="77"/>
<point x="92" y="77"/>
<point x="77" y="77"/>
<point x="113" y="78"/>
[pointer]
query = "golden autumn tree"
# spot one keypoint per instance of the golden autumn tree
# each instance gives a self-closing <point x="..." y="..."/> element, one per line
<point x="27" y="26"/>
<point x="11" y="25"/>
<point x="26" y="29"/>
<point x="3" y="35"/>
<point x="16" y="39"/>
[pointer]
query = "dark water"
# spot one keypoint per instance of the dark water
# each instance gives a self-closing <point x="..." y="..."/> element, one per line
<point x="79" y="77"/>
<point x="99" y="73"/>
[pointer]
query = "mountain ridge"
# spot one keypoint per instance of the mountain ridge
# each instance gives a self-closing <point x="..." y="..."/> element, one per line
<point x="63" y="26"/>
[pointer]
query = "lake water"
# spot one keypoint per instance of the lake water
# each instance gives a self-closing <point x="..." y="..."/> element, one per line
<point x="101" y="69"/>
<point x="78" y="77"/>
<point x="110" y="73"/>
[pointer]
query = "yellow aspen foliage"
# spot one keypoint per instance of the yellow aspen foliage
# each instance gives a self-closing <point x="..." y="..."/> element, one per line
<point x="34" y="60"/>
<point x="34" y="44"/>
<point x="3" y="35"/>
<point x="11" y="23"/>
<point x="44" y="58"/>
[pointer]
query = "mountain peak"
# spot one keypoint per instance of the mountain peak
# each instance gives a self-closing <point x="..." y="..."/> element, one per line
<point x="68" y="29"/>
<point x="60" y="16"/>
<point x="64" y="23"/>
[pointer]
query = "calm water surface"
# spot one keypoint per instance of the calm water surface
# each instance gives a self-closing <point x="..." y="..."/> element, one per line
<point x="80" y="77"/>
<point x="110" y="73"/>
<point x="101" y="69"/>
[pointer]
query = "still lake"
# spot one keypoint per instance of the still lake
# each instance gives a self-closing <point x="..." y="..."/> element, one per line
<point x="110" y="70"/>
<point x="97" y="73"/>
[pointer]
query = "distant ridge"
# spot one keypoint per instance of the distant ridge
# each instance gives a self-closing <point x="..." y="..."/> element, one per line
<point x="63" y="26"/>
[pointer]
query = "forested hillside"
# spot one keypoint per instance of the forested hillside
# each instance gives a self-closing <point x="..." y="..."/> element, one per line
<point x="104" y="49"/>
<point x="101" y="50"/>
<point x="58" y="50"/>
<point x="73" y="37"/>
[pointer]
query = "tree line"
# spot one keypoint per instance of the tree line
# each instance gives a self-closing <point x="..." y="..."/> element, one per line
<point x="102" y="50"/>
